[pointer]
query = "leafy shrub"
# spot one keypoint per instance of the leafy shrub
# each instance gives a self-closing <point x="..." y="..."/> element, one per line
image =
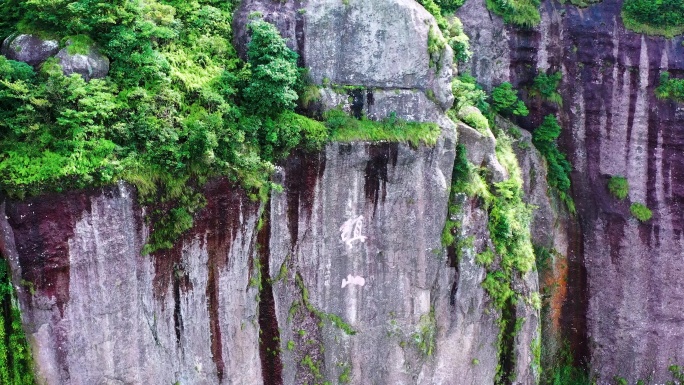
<point x="519" y="12"/>
<point x="274" y="71"/>
<point x="505" y="101"/>
<point x="449" y="6"/>
<point x="546" y="87"/>
<point x="468" y="93"/>
<point x="559" y="168"/>
<point x="661" y="17"/>
<point x="450" y="26"/>
<point x="16" y="366"/>
<point x="474" y="118"/>
<point x="564" y="371"/>
<point x="670" y="88"/>
<point x="640" y="212"/>
<point x="618" y="186"/>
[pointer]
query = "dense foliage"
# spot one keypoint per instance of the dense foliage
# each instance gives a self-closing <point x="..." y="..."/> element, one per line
<point x="524" y="13"/>
<point x="654" y="17"/>
<point x="344" y="128"/>
<point x="640" y="212"/>
<point x="546" y="87"/>
<point x="178" y="106"/>
<point x="505" y="101"/>
<point x="670" y="88"/>
<point x="618" y="186"/>
<point x="16" y="365"/>
<point x="558" y="167"/>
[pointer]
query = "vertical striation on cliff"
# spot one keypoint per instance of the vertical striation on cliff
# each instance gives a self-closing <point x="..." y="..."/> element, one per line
<point x="623" y="307"/>
<point x="97" y="311"/>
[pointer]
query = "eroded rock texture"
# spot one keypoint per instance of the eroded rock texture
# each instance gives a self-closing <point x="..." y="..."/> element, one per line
<point x="623" y="311"/>
<point x="96" y="311"/>
<point x="361" y="240"/>
<point x="375" y="44"/>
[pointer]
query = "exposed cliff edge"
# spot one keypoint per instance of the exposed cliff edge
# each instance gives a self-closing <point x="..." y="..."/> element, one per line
<point x="622" y="312"/>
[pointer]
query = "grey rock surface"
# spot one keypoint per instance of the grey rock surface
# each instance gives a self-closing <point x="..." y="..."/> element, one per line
<point x="362" y="239"/>
<point x="481" y="150"/>
<point x="92" y="65"/>
<point x="29" y="49"/>
<point x="489" y="43"/>
<point x="100" y="312"/>
<point x="373" y="43"/>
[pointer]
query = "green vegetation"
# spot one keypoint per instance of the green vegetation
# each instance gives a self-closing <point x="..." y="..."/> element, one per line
<point x="581" y="3"/>
<point x="509" y="220"/>
<point x="16" y="364"/>
<point x="424" y="338"/>
<point x="344" y="128"/>
<point x="677" y="375"/>
<point x="450" y="26"/>
<point x="661" y="17"/>
<point x="335" y="320"/>
<point x="619" y="187"/>
<point x="564" y="372"/>
<point x="468" y="93"/>
<point x="670" y="88"/>
<point x="474" y="118"/>
<point x="546" y="87"/>
<point x="178" y="107"/>
<point x="505" y="101"/>
<point x="523" y="13"/>
<point x="449" y="6"/>
<point x="559" y="168"/>
<point x="640" y="212"/>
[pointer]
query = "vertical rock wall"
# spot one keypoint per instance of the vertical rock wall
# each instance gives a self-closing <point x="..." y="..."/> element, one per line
<point x="96" y="311"/>
<point x="359" y="239"/>
<point x="630" y="323"/>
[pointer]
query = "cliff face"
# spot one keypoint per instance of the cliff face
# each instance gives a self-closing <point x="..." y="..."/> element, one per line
<point x="341" y="277"/>
<point x="623" y="307"/>
<point x="96" y="311"/>
<point x="346" y="279"/>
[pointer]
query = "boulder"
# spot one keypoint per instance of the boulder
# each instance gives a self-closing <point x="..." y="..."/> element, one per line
<point x="29" y="49"/>
<point x="91" y="65"/>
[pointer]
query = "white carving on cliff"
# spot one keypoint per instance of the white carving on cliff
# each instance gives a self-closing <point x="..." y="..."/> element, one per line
<point x="350" y="231"/>
<point x="353" y="280"/>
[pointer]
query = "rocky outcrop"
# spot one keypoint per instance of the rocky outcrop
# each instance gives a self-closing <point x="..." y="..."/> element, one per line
<point x="623" y="308"/>
<point x="96" y="311"/>
<point x="360" y="240"/>
<point x="29" y="49"/>
<point x="90" y="65"/>
<point x="376" y="44"/>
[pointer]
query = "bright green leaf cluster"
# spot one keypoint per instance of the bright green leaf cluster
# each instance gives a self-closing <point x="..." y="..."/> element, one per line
<point x="640" y="212"/>
<point x="16" y="364"/>
<point x="177" y="108"/>
<point x="519" y="12"/>
<point x="505" y="101"/>
<point x="654" y="17"/>
<point x="670" y="88"/>
<point x="618" y="186"/>
<point x="546" y="87"/>
<point x="558" y="166"/>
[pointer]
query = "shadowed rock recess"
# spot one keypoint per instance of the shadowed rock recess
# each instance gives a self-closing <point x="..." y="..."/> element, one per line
<point x="623" y="309"/>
